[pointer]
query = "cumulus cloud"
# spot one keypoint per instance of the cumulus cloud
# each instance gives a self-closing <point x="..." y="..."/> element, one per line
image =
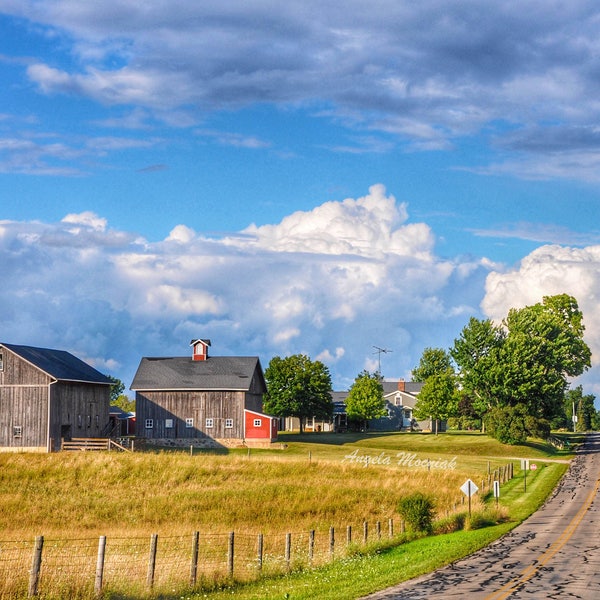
<point x="547" y="271"/>
<point x="331" y="282"/>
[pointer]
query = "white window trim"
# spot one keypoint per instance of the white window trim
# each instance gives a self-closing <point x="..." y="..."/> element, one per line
<point x="168" y="423"/>
<point x="189" y="423"/>
<point x="149" y="423"/>
<point x="210" y="423"/>
<point x="257" y="422"/>
<point x="228" y="423"/>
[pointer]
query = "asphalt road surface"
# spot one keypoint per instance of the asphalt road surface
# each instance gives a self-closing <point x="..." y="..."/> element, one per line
<point x="554" y="554"/>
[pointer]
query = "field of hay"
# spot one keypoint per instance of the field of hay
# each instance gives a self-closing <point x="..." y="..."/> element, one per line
<point x="310" y="485"/>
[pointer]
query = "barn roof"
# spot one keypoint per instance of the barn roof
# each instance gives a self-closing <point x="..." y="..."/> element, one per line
<point x="182" y="373"/>
<point x="59" y="364"/>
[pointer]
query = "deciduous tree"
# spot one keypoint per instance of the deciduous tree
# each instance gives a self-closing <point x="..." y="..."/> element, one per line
<point x="298" y="387"/>
<point x="365" y="399"/>
<point x="437" y="398"/>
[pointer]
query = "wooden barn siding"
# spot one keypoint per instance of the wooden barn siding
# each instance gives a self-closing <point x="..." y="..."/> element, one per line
<point x="23" y="402"/>
<point x="179" y="406"/>
<point x="26" y="407"/>
<point x="82" y="406"/>
<point x="17" y="371"/>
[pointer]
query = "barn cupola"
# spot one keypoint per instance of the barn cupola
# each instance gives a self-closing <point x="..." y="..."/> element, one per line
<point x="200" y="349"/>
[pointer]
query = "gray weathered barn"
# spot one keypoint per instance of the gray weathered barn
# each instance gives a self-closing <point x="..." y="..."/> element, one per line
<point x="200" y="400"/>
<point x="46" y="395"/>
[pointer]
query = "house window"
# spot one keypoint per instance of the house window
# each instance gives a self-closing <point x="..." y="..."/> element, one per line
<point x="17" y="431"/>
<point x="189" y="423"/>
<point x="168" y="423"/>
<point x="407" y="414"/>
<point x="209" y="423"/>
<point x="257" y="422"/>
<point x="228" y="423"/>
<point x="149" y="423"/>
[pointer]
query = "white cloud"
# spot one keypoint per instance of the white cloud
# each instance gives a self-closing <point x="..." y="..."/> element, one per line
<point x="345" y="276"/>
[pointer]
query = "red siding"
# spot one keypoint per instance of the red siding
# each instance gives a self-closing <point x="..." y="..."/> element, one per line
<point x="267" y="430"/>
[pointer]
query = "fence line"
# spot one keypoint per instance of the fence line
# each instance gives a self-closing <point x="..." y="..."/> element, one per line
<point x="87" y="567"/>
<point x="83" y="568"/>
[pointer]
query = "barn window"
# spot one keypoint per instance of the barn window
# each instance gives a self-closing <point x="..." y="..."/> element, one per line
<point x="17" y="431"/>
<point x="257" y="422"/>
<point x="189" y="423"/>
<point x="209" y="423"/>
<point x="149" y="423"/>
<point x="168" y="423"/>
<point x="1" y="362"/>
<point x="79" y="421"/>
<point x="228" y="423"/>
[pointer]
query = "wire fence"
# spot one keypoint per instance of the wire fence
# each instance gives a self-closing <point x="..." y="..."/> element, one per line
<point x="142" y="567"/>
<point x="84" y="568"/>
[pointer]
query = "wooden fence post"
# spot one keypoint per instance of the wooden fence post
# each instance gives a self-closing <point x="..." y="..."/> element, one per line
<point x="260" y="551"/>
<point x="331" y="542"/>
<point x="311" y="546"/>
<point x="230" y="554"/>
<point x="288" y="550"/>
<point x="100" y="565"/>
<point x="378" y="530"/>
<point x="194" y="563"/>
<point x="365" y="532"/>
<point x="152" y="560"/>
<point x="349" y="535"/>
<point x="391" y="527"/>
<point x="36" y="565"/>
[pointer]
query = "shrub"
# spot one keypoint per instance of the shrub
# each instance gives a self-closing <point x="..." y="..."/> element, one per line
<point x="451" y="523"/>
<point x="417" y="510"/>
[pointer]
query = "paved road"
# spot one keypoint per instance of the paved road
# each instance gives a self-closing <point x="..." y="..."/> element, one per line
<point x="554" y="554"/>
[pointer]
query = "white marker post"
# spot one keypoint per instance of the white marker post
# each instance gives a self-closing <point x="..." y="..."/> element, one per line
<point x="496" y="491"/>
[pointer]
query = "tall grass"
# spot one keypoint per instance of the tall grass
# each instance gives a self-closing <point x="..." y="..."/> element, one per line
<point x="305" y="485"/>
<point x="110" y="493"/>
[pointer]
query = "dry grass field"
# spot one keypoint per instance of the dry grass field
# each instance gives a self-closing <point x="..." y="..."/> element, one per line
<point x="306" y="483"/>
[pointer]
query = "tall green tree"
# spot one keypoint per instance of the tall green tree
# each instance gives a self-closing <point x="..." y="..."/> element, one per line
<point x="525" y="363"/>
<point x="433" y="361"/>
<point x="298" y="387"/>
<point x="365" y="399"/>
<point x="437" y="399"/>
<point x="116" y="389"/>
<point x="543" y="348"/>
<point x="581" y="405"/>
<point x="476" y="354"/>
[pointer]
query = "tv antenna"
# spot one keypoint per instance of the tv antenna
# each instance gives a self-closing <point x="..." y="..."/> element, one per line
<point x="379" y="351"/>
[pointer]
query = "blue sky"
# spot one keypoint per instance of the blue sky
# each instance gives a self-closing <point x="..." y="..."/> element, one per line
<point x="294" y="177"/>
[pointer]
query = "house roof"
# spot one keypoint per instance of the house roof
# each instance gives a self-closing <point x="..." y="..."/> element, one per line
<point x="410" y="387"/>
<point x="183" y="373"/>
<point x="59" y="364"/>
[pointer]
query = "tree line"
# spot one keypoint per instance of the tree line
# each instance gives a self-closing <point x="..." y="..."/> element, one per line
<point x="511" y="379"/>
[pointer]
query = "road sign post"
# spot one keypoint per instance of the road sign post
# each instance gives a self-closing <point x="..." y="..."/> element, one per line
<point x="468" y="488"/>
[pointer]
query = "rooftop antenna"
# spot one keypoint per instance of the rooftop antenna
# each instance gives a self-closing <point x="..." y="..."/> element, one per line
<point x="379" y="351"/>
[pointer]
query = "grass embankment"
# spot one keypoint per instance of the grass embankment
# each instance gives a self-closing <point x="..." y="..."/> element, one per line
<point x="315" y="482"/>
